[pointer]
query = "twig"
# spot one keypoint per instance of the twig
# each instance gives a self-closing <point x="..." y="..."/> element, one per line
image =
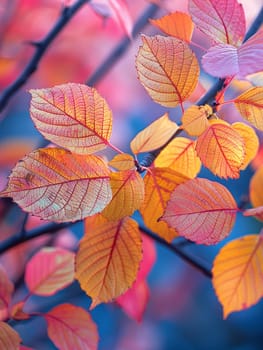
<point x="121" y="48"/>
<point x="193" y="261"/>
<point x="41" y="47"/>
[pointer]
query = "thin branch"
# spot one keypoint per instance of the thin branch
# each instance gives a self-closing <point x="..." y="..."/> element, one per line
<point x="190" y="259"/>
<point x="121" y="48"/>
<point x="18" y="239"/>
<point x="41" y="47"/>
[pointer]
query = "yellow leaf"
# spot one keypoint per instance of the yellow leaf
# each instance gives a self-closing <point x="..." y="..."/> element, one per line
<point x="73" y="116"/>
<point x="221" y="149"/>
<point x="127" y="194"/>
<point x="180" y="155"/>
<point x="256" y="188"/>
<point x="237" y="273"/>
<point x="122" y="161"/>
<point x="108" y="259"/>
<point x="251" y="142"/>
<point x="154" y="136"/>
<point x="56" y="185"/>
<point x="250" y="106"/>
<point x="177" y="24"/>
<point x="168" y="69"/>
<point x="194" y="119"/>
<point x="159" y="184"/>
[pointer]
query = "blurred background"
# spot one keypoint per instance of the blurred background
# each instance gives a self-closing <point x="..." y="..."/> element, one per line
<point x="182" y="311"/>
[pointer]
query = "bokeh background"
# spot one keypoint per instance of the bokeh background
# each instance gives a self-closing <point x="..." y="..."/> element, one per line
<point x="183" y="312"/>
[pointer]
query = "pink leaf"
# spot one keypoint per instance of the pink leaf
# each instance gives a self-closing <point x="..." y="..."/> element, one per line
<point x="226" y="60"/>
<point x="6" y="291"/>
<point x="257" y="212"/>
<point x="134" y="301"/>
<point x="222" y="20"/>
<point x="49" y="270"/>
<point x="71" y="327"/>
<point x="149" y="257"/>
<point x="201" y="210"/>
<point x="9" y="338"/>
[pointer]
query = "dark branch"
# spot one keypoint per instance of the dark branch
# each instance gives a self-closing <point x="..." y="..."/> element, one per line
<point x="192" y="260"/>
<point x="41" y="47"/>
<point x="121" y="48"/>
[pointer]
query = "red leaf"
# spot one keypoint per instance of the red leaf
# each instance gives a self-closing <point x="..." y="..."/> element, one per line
<point x="6" y="291"/>
<point x="201" y="210"/>
<point x="223" y="21"/>
<point x="49" y="270"/>
<point x="134" y="301"/>
<point x="71" y="327"/>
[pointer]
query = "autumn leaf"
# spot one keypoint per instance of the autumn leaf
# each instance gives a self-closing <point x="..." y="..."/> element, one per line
<point x="177" y="24"/>
<point x="237" y="273"/>
<point x="226" y="60"/>
<point x="221" y="149"/>
<point x="134" y="301"/>
<point x="73" y="116"/>
<point x="122" y="161"/>
<point x="223" y="21"/>
<point x="180" y="155"/>
<point x="168" y="69"/>
<point x="6" y="292"/>
<point x="194" y="119"/>
<point x="201" y="210"/>
<point x="49" y="270"/>
<point x="56" y="185"/>
<point x="127" y="194"/>
<point x="9" y="338"/>
<point x="108" y="259"/>
<point x="251" y="142"/>
<point x="159" y="184"/>
<point x="250" y="106"/>
<point x="256" y="188"/>
<point x="17" y="313"/>
<point x="71" y="327"/>
<point x="154" y="136"/>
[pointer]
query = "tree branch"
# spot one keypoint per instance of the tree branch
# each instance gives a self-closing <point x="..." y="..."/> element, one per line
<point x="41" y="47"/>
<point x="120" y="49"/>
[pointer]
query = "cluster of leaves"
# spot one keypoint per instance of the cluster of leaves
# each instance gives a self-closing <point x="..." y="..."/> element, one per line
<point x="68" y="182"/>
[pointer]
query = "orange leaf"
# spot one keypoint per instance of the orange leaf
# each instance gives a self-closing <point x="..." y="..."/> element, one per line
<point x="122" y="161"/>
<point x="73" y="116"/>
<point x="127" y="194"/>
<point x="194" y="119"/>
<point x="221" y="149"/>
<point x="49" y="270"/>
<point x="180" y="155"/>
<point x="159" y="184"/>
<point x="250" y="106"/>
<point x="56" y="185"/>
<point x="237" y="273"/>
<point x="9" y="338"/>
<point x="154" y="136"/>
<point x="251" y="142"/>
<point x="6" y="291"/>
<point x="256" y="188"/>
<point x="108" y="259"/>
<point x="71" y="327"/>
<point x="17" y="312"/>
<point x="168" y="69"/>
<point x="177" y="24"/>
<point x="201" y="210"/>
